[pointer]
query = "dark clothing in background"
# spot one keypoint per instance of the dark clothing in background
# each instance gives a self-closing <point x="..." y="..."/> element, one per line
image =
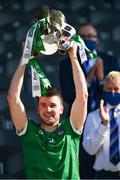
<point x="95" y="93"/>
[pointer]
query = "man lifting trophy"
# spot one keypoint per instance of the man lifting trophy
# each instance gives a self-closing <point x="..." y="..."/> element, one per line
<point x="50" y="148"/>
<point x="49" y="34"/>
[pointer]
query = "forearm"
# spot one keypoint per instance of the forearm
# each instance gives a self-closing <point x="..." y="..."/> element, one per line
<point x="16" y="106"/>
<point x="79" y="106"/>
<point x="92" y="141"/>
<point x="17" y="82"/>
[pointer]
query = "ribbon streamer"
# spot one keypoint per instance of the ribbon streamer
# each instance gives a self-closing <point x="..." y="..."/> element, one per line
<point x="38" y="87"/>
<point x="34" y="43"/>
<point x="78" y="39"/>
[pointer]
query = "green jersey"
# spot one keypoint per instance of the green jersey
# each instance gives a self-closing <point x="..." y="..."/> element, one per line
<point x="51" y="155"/>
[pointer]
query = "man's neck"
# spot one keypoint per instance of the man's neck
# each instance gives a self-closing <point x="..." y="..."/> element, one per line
<point x="49" y="128"/>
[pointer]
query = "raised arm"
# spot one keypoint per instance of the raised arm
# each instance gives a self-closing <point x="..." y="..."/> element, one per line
<point x="16" y="106"/>
<point x="79" y="106"/>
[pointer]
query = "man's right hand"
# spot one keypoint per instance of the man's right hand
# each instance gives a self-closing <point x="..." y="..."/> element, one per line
<point x="104" y="113"/>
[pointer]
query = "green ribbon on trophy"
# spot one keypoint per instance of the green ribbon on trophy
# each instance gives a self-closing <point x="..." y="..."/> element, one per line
<point x="39" y="81"/>
<point x="79" y="40"/>
<point x="37" y="41"/>
<point x="33" y="42"/>
<point x="33" y="45"/>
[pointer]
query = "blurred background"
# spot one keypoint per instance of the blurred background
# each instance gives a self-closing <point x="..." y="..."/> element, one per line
<point x="15" y="18"/>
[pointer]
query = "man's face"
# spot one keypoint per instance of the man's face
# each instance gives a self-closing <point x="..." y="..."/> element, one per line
<point x="112" y="86"/>
<point x="88" y="32"/>
<point x="50" y="109"/>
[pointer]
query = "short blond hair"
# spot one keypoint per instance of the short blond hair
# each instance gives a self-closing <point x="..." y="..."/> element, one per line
<point x="112" y="76"/>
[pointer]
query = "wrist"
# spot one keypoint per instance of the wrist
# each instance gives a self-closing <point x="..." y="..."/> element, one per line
<point x="104" y="122"/>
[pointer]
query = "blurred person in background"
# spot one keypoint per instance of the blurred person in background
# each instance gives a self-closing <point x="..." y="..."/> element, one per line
<point x="103" y="65"/>
<point x="101" y="135"/>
